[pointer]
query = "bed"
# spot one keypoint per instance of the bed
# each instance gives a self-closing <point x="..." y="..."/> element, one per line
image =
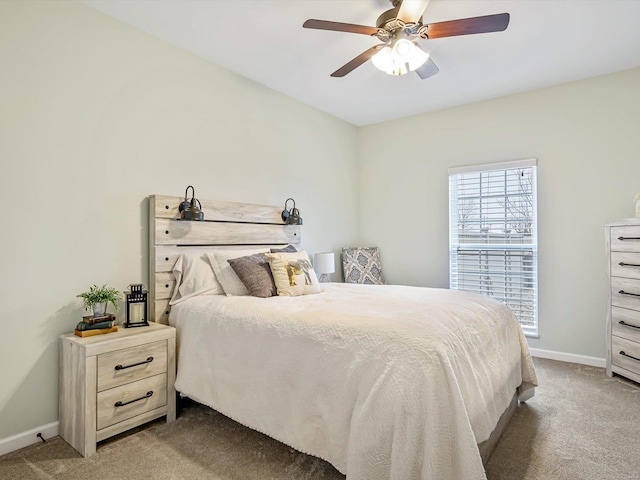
<point x="380" y="381"/>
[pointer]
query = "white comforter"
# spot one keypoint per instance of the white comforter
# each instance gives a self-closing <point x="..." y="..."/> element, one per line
<point x="384" y="382"/>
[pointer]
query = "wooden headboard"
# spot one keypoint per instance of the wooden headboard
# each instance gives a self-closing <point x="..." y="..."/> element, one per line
<point x="226" y="224"/>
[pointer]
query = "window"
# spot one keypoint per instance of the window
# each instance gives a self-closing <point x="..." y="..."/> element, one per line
<point x="493" y="235"/>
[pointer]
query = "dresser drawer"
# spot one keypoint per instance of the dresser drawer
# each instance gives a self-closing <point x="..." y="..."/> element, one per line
<point x="625" y="239"/>
<point x="622" y="351"/>
<point x="630" y="296"/>
<point x="145" y="395"/>
<point x="630" y="326"/>
<point x="131" y="364"/>
<point x="625" y="264"/>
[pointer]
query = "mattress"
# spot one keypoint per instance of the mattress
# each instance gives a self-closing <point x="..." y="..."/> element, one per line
<point x="383" y="382"/>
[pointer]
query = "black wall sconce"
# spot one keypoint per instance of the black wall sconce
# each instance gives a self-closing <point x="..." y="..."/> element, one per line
<point x="188" y="208"/>
<point x="291" y="216"/>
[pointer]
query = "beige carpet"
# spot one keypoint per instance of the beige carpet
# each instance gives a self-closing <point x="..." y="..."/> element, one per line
<point x="580" y="425"/>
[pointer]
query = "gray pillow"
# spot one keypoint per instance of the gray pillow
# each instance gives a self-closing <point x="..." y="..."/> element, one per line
<point x="287" y="249"/>
<point x="255" y="273"/>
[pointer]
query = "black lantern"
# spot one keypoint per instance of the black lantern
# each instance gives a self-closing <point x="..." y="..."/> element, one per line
<point x="291" y="216"/>
<point x="136" y="298"/>
<point x="188" y="208"/>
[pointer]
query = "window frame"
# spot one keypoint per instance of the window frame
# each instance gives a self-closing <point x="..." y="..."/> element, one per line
<point x="528" y="271"/>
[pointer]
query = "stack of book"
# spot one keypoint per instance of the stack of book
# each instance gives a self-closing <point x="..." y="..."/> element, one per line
<point x="91" y="325"/>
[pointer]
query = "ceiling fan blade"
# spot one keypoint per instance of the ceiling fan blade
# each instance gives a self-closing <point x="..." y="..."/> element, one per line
<point x="411" y="10"/>
<point x="339" y="27"/>
<point x="356" y="62"/>
<point x="428" y="69"/>
<point x="468" y="26"/>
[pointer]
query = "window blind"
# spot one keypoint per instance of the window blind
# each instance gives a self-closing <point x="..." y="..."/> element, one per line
<point x="493" y="235"/>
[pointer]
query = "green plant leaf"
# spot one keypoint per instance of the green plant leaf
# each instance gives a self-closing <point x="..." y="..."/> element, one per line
<point x="100" y="295"/>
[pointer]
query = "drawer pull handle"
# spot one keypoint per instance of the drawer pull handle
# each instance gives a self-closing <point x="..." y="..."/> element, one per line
<point x="628" y="238"/>
<point x="122" y="404"/>
<point x="630" y="356"/>
<point x="148" y="360"/>
<point x="622" y="292"/>
<point x="621" y="322"/>
<point x="622" y="264"/>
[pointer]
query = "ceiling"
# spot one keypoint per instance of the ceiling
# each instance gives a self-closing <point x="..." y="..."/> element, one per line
<point x="547" y="42"/>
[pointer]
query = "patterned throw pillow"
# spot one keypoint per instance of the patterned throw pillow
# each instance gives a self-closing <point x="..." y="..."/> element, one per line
<point x="362" y="265"/>
<point x="293" y="274"/>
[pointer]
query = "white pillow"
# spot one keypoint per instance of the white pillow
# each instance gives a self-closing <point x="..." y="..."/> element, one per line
<point x="293" y="274"/>
<point x="194" y="276"/>
<point x="231" y="283"/>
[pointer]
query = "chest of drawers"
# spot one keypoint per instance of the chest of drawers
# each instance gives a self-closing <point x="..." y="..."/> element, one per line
<point x="623" y="319"/>
<point x="111" y="383"/>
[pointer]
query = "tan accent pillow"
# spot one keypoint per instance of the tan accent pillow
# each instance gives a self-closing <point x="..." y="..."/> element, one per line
<point x="293" y="274"/>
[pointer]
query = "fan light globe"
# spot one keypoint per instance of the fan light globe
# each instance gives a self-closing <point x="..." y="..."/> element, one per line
<point x="404" y="57"/>
<point x="402" y="50"/>
<point x="418" y="58"/>
<point x="382" y="60"/>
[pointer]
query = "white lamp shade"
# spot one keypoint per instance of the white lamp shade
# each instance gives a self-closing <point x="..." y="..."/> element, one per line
<point x="324" y="263"/>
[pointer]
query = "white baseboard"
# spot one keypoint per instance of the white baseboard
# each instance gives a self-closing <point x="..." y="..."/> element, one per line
<point x="569" y="357"/>
<point x="27" y="438"/>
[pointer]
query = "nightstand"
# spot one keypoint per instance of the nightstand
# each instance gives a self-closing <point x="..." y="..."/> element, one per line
<point x="113" y="382"/>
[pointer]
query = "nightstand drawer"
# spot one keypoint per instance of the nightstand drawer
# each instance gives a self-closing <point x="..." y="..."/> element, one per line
<point x="625" y="354"/>
<point x="131" y="364"/>
<point x="630" y="326"/>
<point x="120" y="403"/>
<point x="625" y="238"/>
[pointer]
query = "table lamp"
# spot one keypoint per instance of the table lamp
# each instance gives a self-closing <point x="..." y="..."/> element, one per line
<point x="323" y="264"/>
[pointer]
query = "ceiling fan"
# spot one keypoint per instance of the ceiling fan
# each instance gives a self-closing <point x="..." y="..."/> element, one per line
<point x="398" y="29"/>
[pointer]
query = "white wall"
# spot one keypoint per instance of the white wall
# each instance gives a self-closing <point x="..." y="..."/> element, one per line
<point x="586" y="137"/>
<point x="94" y="117"/>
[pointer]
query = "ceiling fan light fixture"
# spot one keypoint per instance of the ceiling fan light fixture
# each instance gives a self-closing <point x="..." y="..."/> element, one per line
<point x="384" y="60"/>
<point x="404" y="57"/>
<point x="398" y="28"/>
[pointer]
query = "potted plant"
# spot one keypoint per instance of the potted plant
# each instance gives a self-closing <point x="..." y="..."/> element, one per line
<point x="97" y="299"/>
